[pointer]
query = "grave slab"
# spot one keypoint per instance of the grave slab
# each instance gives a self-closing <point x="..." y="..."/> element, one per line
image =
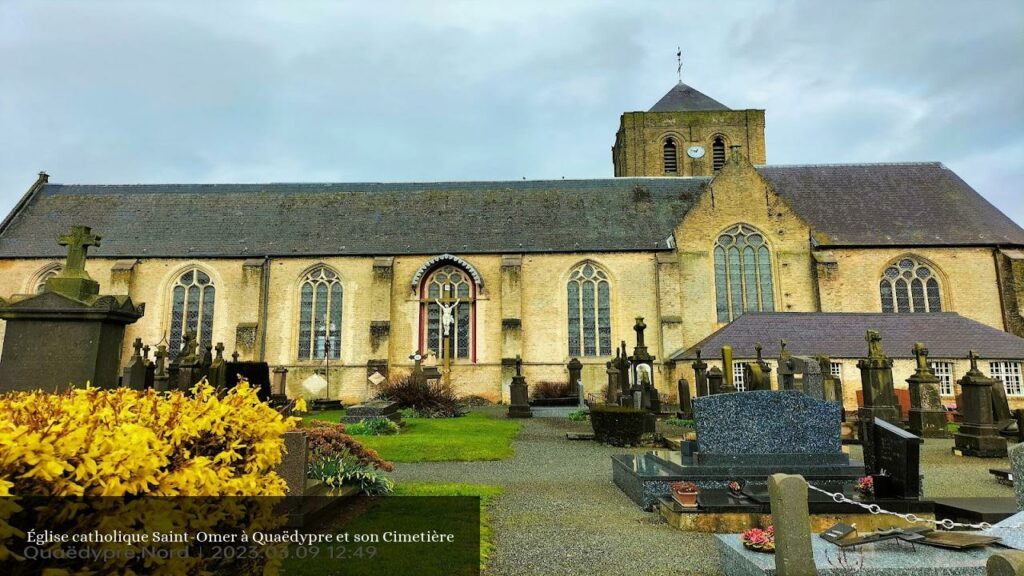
<point x="372" y="409"/>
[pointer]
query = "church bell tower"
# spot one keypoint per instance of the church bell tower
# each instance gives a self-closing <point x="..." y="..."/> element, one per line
<point x="687" y="133"/>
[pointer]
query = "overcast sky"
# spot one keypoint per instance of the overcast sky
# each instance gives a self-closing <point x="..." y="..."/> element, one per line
<point x="144" y="92"/>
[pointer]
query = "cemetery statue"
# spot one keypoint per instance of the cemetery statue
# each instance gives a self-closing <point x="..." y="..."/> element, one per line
<point x="874" y="340"/>
<point x="447" y="315"/>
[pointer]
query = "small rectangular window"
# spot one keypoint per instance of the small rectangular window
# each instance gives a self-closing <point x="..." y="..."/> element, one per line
<point x="737" y="375"/>
<point x="836" y="369"/>
<point x="1009" y="373"/>
<point x="944" y="372"/>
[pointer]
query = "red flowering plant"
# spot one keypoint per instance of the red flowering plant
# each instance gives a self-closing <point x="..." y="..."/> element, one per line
<point x="866" y="486"/>
<point x="684" y="487"/>
<point x="759" y="540"/>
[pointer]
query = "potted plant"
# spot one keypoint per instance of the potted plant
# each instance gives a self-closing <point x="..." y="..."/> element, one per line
<point x="735" y="488"/>
<point x="685" y="493"/>
<point x="759" y="540"/>
<point x="866" y="486"/>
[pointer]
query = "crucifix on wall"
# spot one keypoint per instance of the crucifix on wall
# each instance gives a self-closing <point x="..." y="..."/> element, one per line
<point x="447" y="306"/>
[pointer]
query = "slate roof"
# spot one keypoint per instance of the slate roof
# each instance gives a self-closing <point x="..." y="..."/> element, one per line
<point x="947" y="335"/>
<point x="683" y="98"/>
<point x="176" y="220"/>
<point x="907" y="204"/>
<point x="846" y="205"/>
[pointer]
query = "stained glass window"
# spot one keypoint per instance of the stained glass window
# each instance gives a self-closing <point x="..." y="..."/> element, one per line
<point x="192" y="307"/>
<point x="743" y="273"/>
<point x="452" y="286"/>
<point x="320" y="315"/>
<point x="589" y="306"/>
<point x="909" y="285"/>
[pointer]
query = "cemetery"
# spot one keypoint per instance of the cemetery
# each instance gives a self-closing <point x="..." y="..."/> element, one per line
<point x="775" y="475"/>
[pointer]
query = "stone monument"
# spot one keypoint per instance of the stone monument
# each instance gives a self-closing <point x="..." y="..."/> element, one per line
<point x="519" y="394"/>
<point x="927" y="415"/>
<point x="642" y="368"/>
<point x="757" y="375"/>
<point x="575" y="368"/>
<point x="613" y="383"/>
<point x="134" y="374"/>
<point x="978" y="435"/>
<point x="876" y="382"/>
<point x="685" y="402"/>
<point x="716" y="381"/>
<point x="69" y="334"/>
<point x="791" y="518"/>
<point x="700" y="375"/>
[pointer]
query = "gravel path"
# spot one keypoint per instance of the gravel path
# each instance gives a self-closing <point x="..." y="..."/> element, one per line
<point x="562" y="515"/>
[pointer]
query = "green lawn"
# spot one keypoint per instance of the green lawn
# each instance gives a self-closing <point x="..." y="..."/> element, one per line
<point x="326" y="416"/>
<point x="475" y="436"/>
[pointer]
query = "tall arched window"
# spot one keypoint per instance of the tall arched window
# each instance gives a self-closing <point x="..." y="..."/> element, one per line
<point x="192" y="298"/>
<point x="718" y="152"/>
<point x="452" y="287"/>
<point x="910" y="285"/>
<point x="743" y="273"/>
<point x="44" y="275"/>
<point x="589" y="300"/>
<point x="320" y="315"/>
<point x="669" y="158"/>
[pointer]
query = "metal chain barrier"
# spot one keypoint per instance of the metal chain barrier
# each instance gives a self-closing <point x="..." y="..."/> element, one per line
<point x="876" y="509"/>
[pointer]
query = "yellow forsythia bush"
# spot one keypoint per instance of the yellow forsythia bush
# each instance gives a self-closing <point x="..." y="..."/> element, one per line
<point x="113" y="446"/>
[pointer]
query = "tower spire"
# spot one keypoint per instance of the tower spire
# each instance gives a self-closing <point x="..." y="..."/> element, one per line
<point x="679" y="64"/>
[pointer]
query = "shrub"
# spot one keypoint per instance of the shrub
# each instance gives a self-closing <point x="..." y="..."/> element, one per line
<point x="680" y="422"/>
<point x="430" y="399"/>
<point x="475" y="400"/>
<point x="129" y="443"/>
<point x="376" y="426"/>
<point x="409" y="413"/>
<point x="337" y="459"/>
<point x="545" y="389"/>
<point x="578" y="415"/>
<point x="616" y="425"/>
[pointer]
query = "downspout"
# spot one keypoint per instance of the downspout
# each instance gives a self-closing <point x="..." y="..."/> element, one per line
<point x="264" y="306"/>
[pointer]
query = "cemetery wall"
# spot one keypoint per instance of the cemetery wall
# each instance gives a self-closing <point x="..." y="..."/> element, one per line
<point x="739" y="195"/>
<point x="967" y="276"/>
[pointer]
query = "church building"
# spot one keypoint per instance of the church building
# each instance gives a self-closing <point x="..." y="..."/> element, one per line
<point x="694" y="230"/>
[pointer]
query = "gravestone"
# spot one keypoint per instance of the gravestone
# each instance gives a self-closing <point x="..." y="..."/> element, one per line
<point x="1017" y="466"/>
<point x="757" y="375"/>
<point x="621" y="363"/>
<point x="575" y="368"/>
<point x="189" y="368"/>
<point x="150" y="380"/>
<point x="812" y="380"/>
<point x="134" y="374"/>
<point x="893" y="458"/>
<point x="715" y="381"/>
<point x="833" y="386"/>
<point x="372" y="409"/>
<point x="161" y="378"/>
<point x="218" y="368"/>
<point x="978" y="435"/>
<point x="700" y="375"/>
<point x="787" y="379"/>
<point x="876" y="382"/>
<point x="613" y="383"/>
<point x="685" y="402"/>
<point x="642" y="369"/>
<point x="256" y="373"/>
<point x="293" y="463"/>
<point x="728" y="384"/>
<point x="1008" y="563"/>
<point x="69" y="334"/>
<point x="927" y="415"/>
<point x="519" y="394"/>
<point x="791" y="518"/>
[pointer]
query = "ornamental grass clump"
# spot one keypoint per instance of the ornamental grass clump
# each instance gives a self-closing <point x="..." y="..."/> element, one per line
<point x="106" y="449"/>
<point x="337" y="459"/>
<point x="430" y="399"/>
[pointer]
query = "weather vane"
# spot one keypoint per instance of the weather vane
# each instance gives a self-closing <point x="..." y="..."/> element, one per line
<point x="679" y="64"/>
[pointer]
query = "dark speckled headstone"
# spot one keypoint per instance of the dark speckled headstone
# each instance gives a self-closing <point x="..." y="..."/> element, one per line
<point x="767" y="423"/>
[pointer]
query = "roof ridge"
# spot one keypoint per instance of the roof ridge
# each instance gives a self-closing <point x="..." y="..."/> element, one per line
<point x="852" y="164"/>
<point x="385" y="183"/>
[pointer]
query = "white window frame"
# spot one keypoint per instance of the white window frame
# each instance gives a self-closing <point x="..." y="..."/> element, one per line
<point x="1009" y="371"/>
<point x="944" y="371"/>
<point x="737" y="375"/>
<point x="836" y="369"/>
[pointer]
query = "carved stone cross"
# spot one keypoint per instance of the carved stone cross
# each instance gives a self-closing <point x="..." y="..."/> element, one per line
<point x="220" y="350"/>
<point x="758" y="347"/>
<point x="921" y="353"/>
<point x="137" y="346"/>
<point x="161" y="359"/>
<point x="234" y="356"/>
<point x="78" y="240"/>
<point x="874" y="340"/>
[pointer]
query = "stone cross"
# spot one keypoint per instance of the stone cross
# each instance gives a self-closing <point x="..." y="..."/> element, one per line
<point x="220" y="350"/>
<point x="921" y="353"/>
<point x="417" y="359"/>
<point x="794" y="555"/>
<point x="782" y="350"/>
<point x="137" y="346"/>
<point x="78" y="240"/>
<point x="234" y="356"/>
<point x="973" y="357"/>
<point x="758" y="347"/>
<point x="874" y="340"/>
<point x="145" y="353"/>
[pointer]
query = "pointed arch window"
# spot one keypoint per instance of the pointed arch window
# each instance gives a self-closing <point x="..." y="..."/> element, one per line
<point x="743" y="273"/>
<point x="718" y="152"/>
<point x="589" y="304"/>
<point x="320" y="299"/>
<point x="43" y="276"/>
<point x="192" y="305"/>
<point x="669" y="157"/>
<point x="910" y="285"/>
<point x="451" y="286"/>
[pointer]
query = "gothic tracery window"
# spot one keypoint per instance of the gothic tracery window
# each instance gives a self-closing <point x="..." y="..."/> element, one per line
<point x="192" y="302"/>
<point x="589" y="305"/>
<point x="448" y="285"/>
<point x="669" y="157"/>
<point x="743" y="273"/>
<point x="320" y="301"/>
<point x="909" y="285"/>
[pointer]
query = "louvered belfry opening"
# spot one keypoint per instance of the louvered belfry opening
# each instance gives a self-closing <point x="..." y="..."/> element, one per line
<point x="718" y="153"/>
<point x="669" y="158"/>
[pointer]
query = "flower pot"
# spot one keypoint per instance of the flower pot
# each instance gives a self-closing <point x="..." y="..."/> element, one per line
<point x="685" y="499"/>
